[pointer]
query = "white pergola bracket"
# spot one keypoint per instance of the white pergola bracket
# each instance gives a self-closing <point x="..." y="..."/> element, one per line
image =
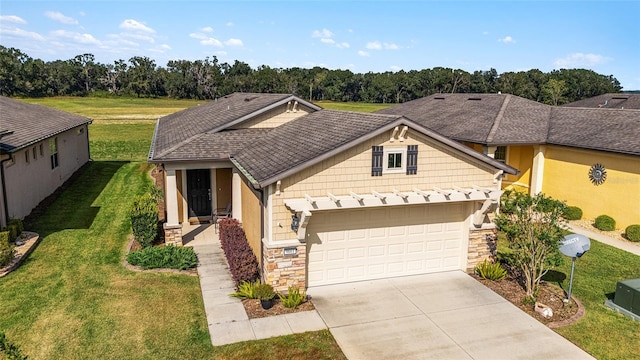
<point x="480" y="214"/>
<point x="304" y="221"/>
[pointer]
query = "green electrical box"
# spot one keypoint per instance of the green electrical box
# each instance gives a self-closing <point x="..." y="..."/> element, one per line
<point x="628" y="295"/>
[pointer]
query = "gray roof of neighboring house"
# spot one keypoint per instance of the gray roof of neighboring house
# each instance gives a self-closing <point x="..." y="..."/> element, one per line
<point x="315" y="137"/>
<point x="179" y="129"/>
<point x="479" y="118"/>
<point x="29" y="123"/>
<point x="501" y="119"/>
<point x="609" y="101"/>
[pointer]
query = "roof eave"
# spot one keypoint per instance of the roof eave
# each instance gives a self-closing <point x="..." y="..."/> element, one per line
<point x="50" y="135"/>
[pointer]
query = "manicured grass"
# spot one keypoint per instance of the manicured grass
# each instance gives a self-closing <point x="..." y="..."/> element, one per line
<point x="113" y="141"/>
<point x="120" y="109"/>
<point x="602" y="332"/>
<point x="73" y="299"/>
<point x="352" y="106"/>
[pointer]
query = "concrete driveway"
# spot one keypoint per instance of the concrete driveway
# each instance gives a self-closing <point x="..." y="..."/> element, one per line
<point x="436" y="316"/>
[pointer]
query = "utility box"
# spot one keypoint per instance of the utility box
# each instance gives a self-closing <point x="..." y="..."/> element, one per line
<point x="628" y="295"/>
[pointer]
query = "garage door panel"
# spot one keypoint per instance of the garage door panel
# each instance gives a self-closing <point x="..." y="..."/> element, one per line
<point x="378" y="243"/>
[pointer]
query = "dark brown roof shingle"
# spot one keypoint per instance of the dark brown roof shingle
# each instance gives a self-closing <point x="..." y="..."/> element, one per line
<point x="609" y="101"/>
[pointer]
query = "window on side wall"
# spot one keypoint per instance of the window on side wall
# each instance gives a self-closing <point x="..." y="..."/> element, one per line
<point x="35" y="153"/>
<point x="501" y="154"/>
<point x="53" y="148"/>
<point x="26" y="156"/>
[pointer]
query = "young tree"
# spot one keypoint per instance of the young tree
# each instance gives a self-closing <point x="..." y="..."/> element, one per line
<point x="533" y="228"/>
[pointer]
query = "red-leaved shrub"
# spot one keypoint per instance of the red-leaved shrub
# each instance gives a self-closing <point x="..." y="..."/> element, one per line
<point x="242" y="261"/>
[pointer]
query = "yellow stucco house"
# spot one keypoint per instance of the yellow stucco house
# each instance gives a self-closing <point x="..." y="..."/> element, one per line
<point x="328" y="196"/>
<point x="586" y="153"/>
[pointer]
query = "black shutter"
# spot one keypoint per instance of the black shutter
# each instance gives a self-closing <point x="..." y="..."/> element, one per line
<point x="412" y="159"/>
<point x="376" y="160"/>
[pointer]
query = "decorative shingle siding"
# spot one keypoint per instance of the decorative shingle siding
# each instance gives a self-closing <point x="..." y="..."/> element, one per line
<point x="351" y="171"/>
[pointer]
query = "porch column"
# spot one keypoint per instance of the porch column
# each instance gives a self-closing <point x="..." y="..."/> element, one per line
<point x="171" y="198"/>
<point x="537" y="170"/>
<point x="236" y="196"/>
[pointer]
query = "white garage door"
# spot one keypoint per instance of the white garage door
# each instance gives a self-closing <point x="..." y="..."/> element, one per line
<point x="354" y="245"/>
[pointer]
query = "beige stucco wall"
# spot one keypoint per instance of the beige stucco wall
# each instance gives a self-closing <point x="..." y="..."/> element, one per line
<point x="29" y="183"/>
<point x="273" y="118"/>
<point x="566" y="177"/>
<point x="351" y="171"/>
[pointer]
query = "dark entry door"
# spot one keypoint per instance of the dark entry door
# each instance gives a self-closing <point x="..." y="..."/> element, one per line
<point x="199" y="192"/>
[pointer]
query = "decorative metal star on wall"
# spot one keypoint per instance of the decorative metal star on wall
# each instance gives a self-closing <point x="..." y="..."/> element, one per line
<point x="597" y="174"/>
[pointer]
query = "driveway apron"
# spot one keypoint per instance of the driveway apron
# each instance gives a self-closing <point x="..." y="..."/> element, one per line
<point x="445" y="315"/>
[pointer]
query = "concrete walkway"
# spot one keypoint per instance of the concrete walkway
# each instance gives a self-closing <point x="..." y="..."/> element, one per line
<point x="629" y="246"/>
<point x="226" y="317"/>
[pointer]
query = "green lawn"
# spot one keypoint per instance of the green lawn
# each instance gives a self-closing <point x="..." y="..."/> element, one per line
<point x="352" y="106"/>
<point x="73" y="299"/>
<point x="602" y="332"/>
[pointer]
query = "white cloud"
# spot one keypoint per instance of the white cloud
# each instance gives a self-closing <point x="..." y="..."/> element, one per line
<point x="130" y="24"/>
<point x="141" y="37"/>
<point x="507" y="40"/>
<point x="327" y="41"/>
<point x="485" y="33"/>
<point x="12" y="19"/>
<point x="207" y="29"/>
<point x="76" y="37"/>
<point x="395" y="68"/>
<point x="229" y="24"/>
<point x="377" y="45"/>
<point x="59" y="17"/>
<point x="343" y="45"/>
<point x="212" y="42"/>
<point x="324" y="33"/>
<point x="233" y="42"/>
<point x="363" y="53"/>
<point x="580" y="60"/>
<point x="165" y="47"/>
<point x="21" y="33"/>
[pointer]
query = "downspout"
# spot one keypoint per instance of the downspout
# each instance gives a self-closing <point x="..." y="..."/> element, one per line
<point x="88" y="147"/>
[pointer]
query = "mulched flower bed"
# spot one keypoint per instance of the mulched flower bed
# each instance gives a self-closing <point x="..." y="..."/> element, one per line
<point x="549" y="294"/>
<point x="254" y="309"/>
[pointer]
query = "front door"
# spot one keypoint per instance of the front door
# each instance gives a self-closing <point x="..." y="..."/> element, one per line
<point x="199" y="192"/>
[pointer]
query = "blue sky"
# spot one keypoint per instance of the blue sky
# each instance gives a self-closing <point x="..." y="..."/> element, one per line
<point x="361" y="36"/>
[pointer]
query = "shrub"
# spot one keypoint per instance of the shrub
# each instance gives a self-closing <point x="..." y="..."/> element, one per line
<point x="144" y="219"/>
<point x="243" y="263"/>
<point x="167" y="257"/>
<point x="18" y="223"/>
<point x="246" y="290"/>
<point x="6" y="249"/>
<point x="10" y="350"/>
<point x="264" y="292"/>
<point x="490" y="271"/>
<point x="605" y="223"/>
<point x="294" y="297"/>
<point x="632" y="232"/>
<point x="573" y="213"/>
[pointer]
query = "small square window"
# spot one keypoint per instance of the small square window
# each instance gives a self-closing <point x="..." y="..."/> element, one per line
<point x="394" y="160"/>
<point x="500" y="154"/>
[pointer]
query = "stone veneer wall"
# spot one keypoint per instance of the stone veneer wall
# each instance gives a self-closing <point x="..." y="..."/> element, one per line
<point x="172" y="235"/>
<point x="482" y="246"/>
<point x="282" y="271"/>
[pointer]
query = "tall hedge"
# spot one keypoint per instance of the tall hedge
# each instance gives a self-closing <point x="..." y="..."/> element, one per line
<point x="144" y="219"/>
<point x="6" y="249"/>
<point x="243" y="263"/>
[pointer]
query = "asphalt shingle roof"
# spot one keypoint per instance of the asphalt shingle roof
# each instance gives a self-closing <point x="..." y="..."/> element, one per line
<point x="216" y="146"/>
<point x="32" y="123"/>
<point x="501" y="119"/>
<point x="480" y="118"/>
<point x="609" y="101"/>
<point x="177" y="129"/>
<point x="299" y="141"/>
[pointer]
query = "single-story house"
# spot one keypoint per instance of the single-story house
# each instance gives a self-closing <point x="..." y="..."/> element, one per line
<point x="329" y="196"/>
<point x="40" y="148"/>
<point x="586" y="153"/>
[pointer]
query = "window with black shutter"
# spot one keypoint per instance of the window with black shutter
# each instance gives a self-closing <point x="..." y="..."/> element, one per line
<point x="376" y="160"/>
<point x="412" y="159"/>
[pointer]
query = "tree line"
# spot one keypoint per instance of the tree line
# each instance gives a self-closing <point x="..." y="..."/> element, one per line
<point x="24" y="76"/>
